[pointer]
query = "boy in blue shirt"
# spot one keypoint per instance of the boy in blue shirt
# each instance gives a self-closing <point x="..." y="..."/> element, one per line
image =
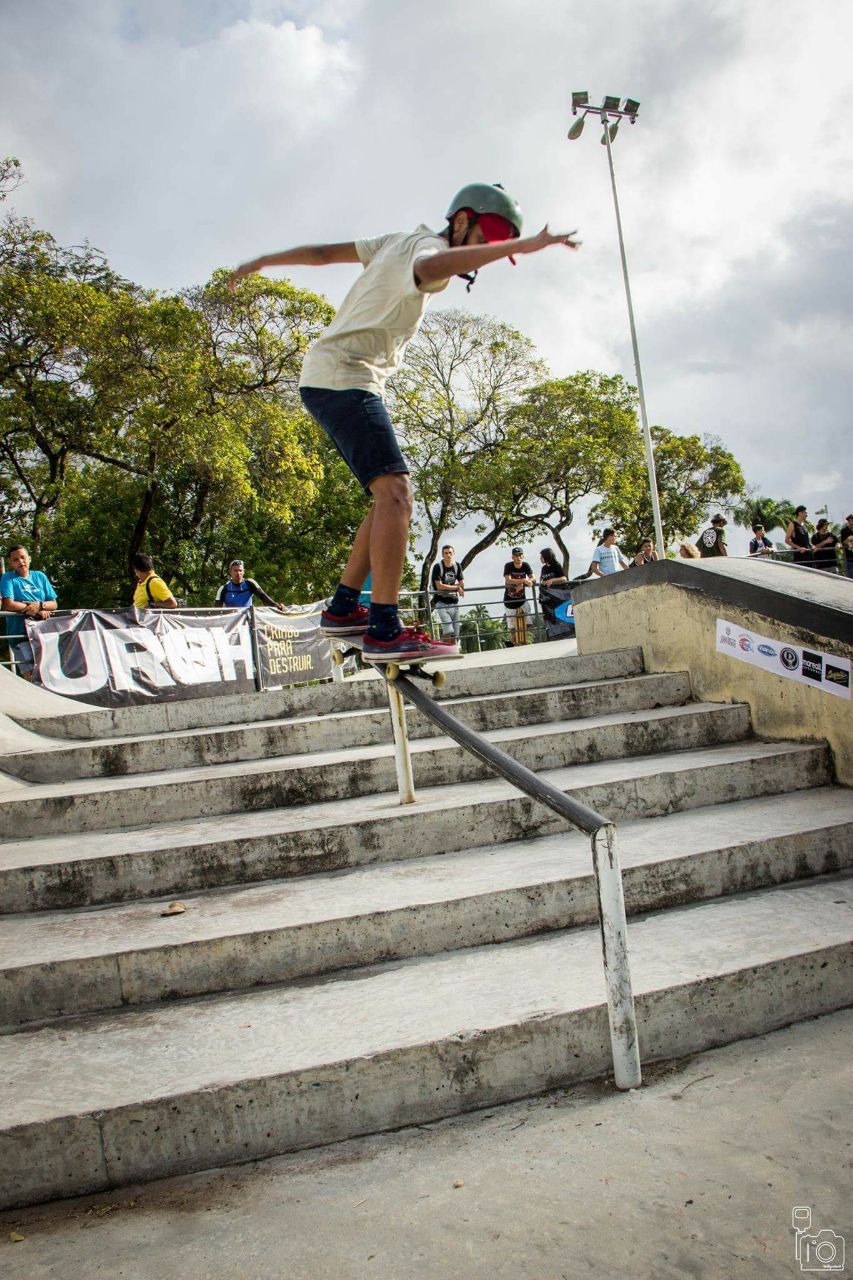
<point x="25" y="593"/>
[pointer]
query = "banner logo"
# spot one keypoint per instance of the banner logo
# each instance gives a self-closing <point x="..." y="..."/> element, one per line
<point x="790" y="659"/>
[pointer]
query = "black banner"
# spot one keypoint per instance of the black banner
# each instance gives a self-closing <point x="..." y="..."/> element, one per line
<point x="557" y="611"/>
<point x="291" y="646"/>
<point x="131" y="657"/>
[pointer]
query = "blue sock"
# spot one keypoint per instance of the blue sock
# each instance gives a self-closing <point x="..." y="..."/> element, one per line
<point x="384" y="621"/>
<point x="344" y="600"/>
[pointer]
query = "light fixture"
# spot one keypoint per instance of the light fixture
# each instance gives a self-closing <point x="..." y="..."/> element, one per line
<point x="580" y="98"/>
<point x="577" y="128"/>
<point x="610" y="104"/>
<point x="613" y="128"/>
<point x="631" y="107"/>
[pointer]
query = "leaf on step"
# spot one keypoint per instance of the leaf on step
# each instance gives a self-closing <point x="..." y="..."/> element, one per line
<point x="174" y="909"/>
<point x="16" y="1237"/>
<point x="458" y="1183"/>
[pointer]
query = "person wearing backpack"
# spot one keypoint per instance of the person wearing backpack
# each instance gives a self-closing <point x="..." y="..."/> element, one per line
<point x="448" y="589"/>
<point x="151" y="591"/>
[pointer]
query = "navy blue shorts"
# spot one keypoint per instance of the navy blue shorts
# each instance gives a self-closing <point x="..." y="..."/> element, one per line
<point x="359" y="427"/>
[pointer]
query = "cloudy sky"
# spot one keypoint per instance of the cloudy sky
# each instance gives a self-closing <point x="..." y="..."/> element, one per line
<point x="180" y="135"/>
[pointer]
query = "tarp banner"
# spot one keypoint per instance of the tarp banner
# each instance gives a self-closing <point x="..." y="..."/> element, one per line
<point x="557" y="610"/>
<point x="825" y="671"/>
<point x="291" y="646"/>
<point x="138" y="656"/>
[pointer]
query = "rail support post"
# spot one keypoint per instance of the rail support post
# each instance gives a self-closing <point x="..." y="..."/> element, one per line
<point x="402" y="755"/>
<point x="617" y="973"/>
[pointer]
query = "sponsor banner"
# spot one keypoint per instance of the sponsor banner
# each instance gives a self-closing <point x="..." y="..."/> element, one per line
<point x="291" y="646"/>
<point x="808" y="666"/>
<point x="138" y="656"/>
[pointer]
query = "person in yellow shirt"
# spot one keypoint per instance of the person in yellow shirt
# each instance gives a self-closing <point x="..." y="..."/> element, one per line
<point x="151" y="591"/>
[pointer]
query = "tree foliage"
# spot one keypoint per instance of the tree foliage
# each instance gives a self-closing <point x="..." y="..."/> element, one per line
<point x="693" y="475"/>
<point x="772" y="513"/>
<point x="132" y="420"/>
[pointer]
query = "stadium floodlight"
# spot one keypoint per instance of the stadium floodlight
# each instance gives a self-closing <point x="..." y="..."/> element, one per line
<point x="610" y="113"/>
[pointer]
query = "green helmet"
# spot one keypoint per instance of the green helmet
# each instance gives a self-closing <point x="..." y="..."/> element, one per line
<point x="487" y="197"/>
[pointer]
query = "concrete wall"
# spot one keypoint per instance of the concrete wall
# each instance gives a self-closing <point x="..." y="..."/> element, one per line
<point x="675" y="624"/>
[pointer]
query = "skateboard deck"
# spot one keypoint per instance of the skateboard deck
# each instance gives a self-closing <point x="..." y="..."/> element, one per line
<point x="391" y="668"/>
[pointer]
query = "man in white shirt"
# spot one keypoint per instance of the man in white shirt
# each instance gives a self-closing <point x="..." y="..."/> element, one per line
<point x="607" y="558"/>
<point x="343" y="379"/>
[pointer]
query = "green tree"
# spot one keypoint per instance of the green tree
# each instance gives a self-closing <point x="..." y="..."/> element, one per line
<point x="693" y="475"/>
<point x="452" y="399"/>
<point x="574" y="438"/>
<point x="773" y="513"/>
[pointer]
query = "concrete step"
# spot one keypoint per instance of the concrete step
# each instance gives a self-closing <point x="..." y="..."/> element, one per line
<point x="53" y="761"/>
<point x="473" y="676"/>
<point x="99" y="804"/>
<point x="176" y="858"/>
<point x="110" y="1099"/>
<point x="58" y="963"/>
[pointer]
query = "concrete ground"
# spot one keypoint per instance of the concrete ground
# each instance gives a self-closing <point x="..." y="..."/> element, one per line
<point x="694" y="1175"/>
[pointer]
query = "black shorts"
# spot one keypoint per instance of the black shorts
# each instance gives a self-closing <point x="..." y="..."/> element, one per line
<point x="359" y="427"/>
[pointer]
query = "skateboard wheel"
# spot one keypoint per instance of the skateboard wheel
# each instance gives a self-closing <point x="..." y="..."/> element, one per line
<point x="439" y="679"/>
<point x="338" y="657"/>
<point x="392" y="670"/>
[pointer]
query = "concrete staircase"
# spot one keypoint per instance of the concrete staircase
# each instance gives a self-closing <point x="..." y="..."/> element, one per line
<point x="345" y="965"/>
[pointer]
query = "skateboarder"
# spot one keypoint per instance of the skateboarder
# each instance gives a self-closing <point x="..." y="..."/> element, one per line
<point x="343" y="380"/>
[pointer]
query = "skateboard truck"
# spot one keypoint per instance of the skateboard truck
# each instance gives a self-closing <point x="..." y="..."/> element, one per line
<point x="391" y="670"/>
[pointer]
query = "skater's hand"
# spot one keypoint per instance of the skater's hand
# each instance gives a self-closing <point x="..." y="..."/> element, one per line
<point x="532" y="244"/>
<point x="245" y="269"/>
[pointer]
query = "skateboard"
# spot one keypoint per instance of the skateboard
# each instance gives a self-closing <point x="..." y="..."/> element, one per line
<point x="393" y="667"/>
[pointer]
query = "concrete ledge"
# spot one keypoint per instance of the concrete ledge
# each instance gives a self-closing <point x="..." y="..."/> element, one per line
<point x="670" y="609"/>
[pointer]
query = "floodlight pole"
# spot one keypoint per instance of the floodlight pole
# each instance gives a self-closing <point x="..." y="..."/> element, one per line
<point x="644" y="419"/>
<point x="647" y="435"/>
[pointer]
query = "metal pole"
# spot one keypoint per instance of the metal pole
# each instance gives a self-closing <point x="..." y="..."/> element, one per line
<point x="617" y="973"/>
<point x="647" y="435"/>
<point x="402" y="757"/>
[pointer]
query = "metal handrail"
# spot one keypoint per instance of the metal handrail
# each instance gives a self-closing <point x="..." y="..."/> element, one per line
<point x="605" y="858"/>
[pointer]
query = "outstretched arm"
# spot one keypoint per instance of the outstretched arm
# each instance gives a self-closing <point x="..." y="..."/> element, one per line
<point x="305" y="255"/>
<point x="471" y="257"/>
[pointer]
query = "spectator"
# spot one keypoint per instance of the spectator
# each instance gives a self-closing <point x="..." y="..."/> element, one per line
<point x="646" y="553"/>
<point x="151" y="591"/>
<point x="847" y="544"/>
<point x="518" y="575"/>
<point x="824" y="542"/>
<point x="797" y="538"/>
<point x="759" y="543"/>
<point x="25" y="593"/>
<point x="712" y="542"/>
<point x="239" y="591"/>
<point x="687" y="551"/>
<point x="448" y="589"/>
<point x="551" y="574"/>
<point x="607" y="558"/>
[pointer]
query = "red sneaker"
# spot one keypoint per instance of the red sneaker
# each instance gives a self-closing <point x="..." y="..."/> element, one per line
<point x="409" y="645"/>
<point x="353" y="623"/>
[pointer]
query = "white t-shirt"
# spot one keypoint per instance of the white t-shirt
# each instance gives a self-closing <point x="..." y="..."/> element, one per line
<point x="608" y="559"/>
<point x="365" y="342"/>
